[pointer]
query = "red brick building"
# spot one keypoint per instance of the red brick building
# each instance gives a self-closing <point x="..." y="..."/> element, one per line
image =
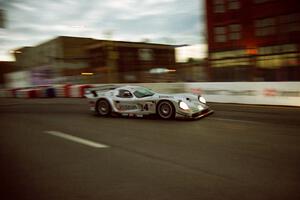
<point x="253" y="40"/>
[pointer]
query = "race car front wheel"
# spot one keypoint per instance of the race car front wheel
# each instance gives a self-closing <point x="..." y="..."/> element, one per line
<point x="103" y="107"/>
<point x="166" y="110"/>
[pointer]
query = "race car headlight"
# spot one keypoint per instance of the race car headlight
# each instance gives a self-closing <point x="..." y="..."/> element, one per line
<point x="201" y="99"/>
<point x="183" y="105"/>
<point x="200" y="107"/>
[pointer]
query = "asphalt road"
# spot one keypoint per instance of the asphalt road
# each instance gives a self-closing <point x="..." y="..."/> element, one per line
<point x="239" y="152"/>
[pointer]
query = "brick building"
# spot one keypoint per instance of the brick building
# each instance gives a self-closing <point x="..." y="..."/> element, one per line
<point x="59" y="54"/>
<point x="130" y="61"/>
<point x="5" y="67"/>
<point x="253" y="40"/>
<point x="109" y="61"/>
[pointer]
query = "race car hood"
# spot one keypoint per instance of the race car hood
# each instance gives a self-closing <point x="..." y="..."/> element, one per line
<point x="192" y="100"/>
<point x="183" y="96"/>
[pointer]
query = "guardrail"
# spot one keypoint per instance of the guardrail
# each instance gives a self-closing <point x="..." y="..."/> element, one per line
<point x="264" y="93"/>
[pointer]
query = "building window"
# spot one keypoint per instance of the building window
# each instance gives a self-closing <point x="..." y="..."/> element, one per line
<point x="228" y="54"/>
<point x="289" y="48"/>
<point x="277" y="56"/>
<point x="234" y="31"/>
<point x="145" y="54"/>
<point x="231" y="62"/>
<point x="219" y="6"/>
<point x="277" y="49"/>
<point x="233" y="5"/>
<point x="261" y="1"/>
<point x="265" y="27"/>
<point x="232" y="58"/>
<point x="277" y="61"/>
<point x="289" y="23"/>
<point x="220" y="34"/>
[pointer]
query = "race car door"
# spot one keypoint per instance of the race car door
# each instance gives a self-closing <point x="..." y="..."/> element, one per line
<point x="125" y="102"/>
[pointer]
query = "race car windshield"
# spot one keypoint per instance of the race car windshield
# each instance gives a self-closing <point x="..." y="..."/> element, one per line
<point x="143" y="92"/>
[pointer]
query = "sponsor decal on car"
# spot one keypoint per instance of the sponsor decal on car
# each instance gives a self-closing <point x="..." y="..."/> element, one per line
<point x="164" y="97"/>
<point x="126" y="107"/>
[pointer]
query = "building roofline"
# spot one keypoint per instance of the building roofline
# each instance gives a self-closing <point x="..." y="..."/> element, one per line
<point x="61" y="37"/>
<point x="129" y="43"/>
<point x="100" y="43"/>
<point x="21" y="48"/>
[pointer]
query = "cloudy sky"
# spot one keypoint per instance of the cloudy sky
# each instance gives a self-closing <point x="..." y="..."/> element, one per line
<point x="30" y="22"/>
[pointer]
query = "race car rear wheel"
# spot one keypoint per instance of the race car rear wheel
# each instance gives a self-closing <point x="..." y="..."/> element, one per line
<point x="165" y="110"/>
<point x="103" y="107"/>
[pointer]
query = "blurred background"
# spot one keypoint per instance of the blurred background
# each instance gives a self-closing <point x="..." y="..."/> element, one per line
<point x="68" y="41"/>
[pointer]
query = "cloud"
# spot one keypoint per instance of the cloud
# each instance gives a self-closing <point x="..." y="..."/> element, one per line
<point x="33" y="21"/>
<point x="22" y="6"/>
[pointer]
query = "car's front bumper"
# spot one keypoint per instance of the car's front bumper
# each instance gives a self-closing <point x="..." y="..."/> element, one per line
<point x="194" y="115"/>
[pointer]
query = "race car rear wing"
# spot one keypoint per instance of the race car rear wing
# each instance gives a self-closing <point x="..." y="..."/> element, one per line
<point x="102" y="88"/>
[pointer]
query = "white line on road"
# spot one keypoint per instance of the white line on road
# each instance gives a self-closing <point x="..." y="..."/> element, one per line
<point x="77" y="139"/>
<point x="235" y="120"/>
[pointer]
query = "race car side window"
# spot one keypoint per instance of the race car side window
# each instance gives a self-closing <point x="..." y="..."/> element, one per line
<point x="124" y="94"/>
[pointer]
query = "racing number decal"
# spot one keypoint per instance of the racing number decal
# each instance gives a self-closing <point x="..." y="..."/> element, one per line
<point x="146" y="107"/>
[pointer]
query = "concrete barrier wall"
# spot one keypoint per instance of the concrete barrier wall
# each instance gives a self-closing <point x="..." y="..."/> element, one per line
<point x="264" y="93"/>
<point x="166" y="87"/>
<point x="158" y="87"/>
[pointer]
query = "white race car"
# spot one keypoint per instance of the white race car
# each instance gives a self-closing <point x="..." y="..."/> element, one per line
<point x="140" y="101"/>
